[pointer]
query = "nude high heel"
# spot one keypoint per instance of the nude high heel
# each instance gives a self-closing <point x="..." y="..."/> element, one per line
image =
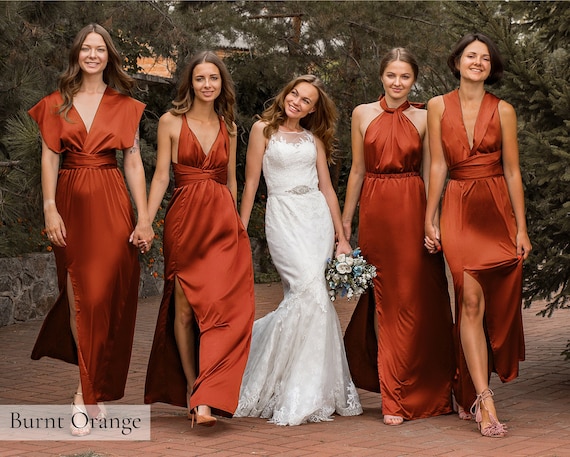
<point x="204" y="420"/>
<point x="80" y="424"/>
<point x="494" y="429"/>
<point x="102" y="412"/>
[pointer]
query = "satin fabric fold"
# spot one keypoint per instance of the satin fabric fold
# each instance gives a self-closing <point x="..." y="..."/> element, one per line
<point x="411" y="363"/>
<point x="478" y="231"/>
<point x="96" y="209"/>
<point x="207" y="249"/>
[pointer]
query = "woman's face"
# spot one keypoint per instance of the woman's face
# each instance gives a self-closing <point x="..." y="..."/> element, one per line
<point x="398" y="79"/>
<point x="206" y="82"/>
<point x="301" y="100"/>
<point x="93" y="54"/>
<point x="475" y="62"/>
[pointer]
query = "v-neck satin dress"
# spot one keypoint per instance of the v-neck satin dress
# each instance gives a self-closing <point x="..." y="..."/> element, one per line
<point x="411" y="363"/>
<point x="207" y="248"/>
<point x="96" y="209"/>
<point x="478" y="231"/>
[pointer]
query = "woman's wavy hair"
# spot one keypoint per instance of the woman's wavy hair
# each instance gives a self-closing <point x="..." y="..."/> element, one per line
<point x="113" y="74"/>
<point x="224" y="105"/>
<point x="321" y="122"/>
<point x="403" y="55"/>
<point x="497" y="65"/>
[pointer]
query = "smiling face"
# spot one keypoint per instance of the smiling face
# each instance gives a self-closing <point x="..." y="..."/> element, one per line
<point x="301" y="100"/>
<point x="397" y="79"/>
<point x="475" y="62"/>
<point x="206" y="82"/>
<point x="93" y="54"/>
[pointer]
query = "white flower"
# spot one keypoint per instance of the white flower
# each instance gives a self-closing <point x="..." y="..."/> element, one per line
<point x="342" y="267"/>
<point x="349" y="275"/>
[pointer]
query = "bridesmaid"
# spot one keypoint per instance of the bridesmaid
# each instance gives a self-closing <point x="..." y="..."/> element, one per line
<point x="399" y="340"/>
<point x="90" y="221"/>
<point x="203" y="332"/>
<point x="473" y="136"/>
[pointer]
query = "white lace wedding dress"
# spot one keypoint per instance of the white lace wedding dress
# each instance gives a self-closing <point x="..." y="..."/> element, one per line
<point x="297" y="370"/>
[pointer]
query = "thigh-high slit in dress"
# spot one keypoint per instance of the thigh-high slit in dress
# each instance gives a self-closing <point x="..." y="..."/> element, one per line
<point x="206" y="248"/>
<point x="410" y="360"/>
<point x="478" y="231"/>
<point x="103" y="267"/>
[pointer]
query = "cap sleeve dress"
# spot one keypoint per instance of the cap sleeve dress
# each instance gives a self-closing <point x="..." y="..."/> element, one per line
<point x="103" y="266"/>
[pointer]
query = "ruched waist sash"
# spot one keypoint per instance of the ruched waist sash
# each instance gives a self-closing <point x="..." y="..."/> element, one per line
<point x="479" y="166"/>
<point x="185" y="174"/>
<point x="391" y="175"/>
<point x="103" y="159"/>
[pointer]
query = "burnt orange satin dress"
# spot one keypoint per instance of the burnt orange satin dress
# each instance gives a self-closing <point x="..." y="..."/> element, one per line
<point x="96" y="209"/>
<point x="207" y="248"/>
<point x="411" y="363"/>
<point x="478" y="231"/>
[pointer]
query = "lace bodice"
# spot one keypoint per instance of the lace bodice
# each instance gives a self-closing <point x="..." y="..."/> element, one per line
<point x="289" y="163"/>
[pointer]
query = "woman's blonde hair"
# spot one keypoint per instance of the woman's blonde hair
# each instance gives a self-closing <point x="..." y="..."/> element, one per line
<point x="224" y="104"/>
<point x="321" y="122"/>
<point x="113" y="74"/>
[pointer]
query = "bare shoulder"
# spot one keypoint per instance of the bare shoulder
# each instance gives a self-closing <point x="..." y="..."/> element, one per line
<point x="417" y="113"/>
<point x="318" y="141"/>
<point x="169" y="119"/>
<point x="366" y="108"/>
<point x="506" y="109"/>
<point x="436" y="104"/>
<point x="363" y="115"/>
<point x="258" y="125"/>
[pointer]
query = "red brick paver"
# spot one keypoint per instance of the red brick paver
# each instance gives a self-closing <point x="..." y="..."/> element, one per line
<point x="536" y="406"/>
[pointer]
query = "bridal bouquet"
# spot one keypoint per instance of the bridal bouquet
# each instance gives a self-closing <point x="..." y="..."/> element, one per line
<point x="349" y="275"/>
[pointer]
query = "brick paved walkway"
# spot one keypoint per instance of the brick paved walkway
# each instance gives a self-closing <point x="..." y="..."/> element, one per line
<point x="536" y="406"/>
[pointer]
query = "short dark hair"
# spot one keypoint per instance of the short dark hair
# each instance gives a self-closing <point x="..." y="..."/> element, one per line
<point x="496" y="59"/>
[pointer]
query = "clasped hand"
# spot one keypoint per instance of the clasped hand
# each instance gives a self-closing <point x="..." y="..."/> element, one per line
<point x="142" y="237"/>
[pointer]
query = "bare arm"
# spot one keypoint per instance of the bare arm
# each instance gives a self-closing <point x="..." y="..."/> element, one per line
<point x="254" y="161"/>
<point x="437" y="174"/>
<point x="426" y="159"/>
<point x="161" y="176"/>
<point x="326" y="187"/>
<point x="134" y="173"/>
<point x="55" y="227"/>
<point x="357" y="173"/>
<point x="513" y="177"/>
<point x="232" y="179"/>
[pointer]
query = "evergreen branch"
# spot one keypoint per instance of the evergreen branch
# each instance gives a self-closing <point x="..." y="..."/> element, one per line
<point x="10" y="164"/>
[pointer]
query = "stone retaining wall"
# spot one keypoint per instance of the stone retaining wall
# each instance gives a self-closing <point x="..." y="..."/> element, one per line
<point x="28" y="287"/>
<point x="28" y="284"/>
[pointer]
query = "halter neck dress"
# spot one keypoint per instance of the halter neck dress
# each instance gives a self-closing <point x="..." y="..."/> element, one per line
<point x="411" y="360"/>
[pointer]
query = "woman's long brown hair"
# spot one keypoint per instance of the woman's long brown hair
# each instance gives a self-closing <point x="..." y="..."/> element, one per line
<point x="321" y="122"/>
<point x="113" y="75"/>
<point x="224" y="105"/>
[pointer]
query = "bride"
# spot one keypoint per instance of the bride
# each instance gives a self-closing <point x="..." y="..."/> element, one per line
<point x="297" y="370"/>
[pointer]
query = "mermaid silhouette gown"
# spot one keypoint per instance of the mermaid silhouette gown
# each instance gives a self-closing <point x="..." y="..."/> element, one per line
<point x="207" y="249"/>
<point x="478" y="234"/>
<point x="411" y="360"/>
<point x="297" y="370"/>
